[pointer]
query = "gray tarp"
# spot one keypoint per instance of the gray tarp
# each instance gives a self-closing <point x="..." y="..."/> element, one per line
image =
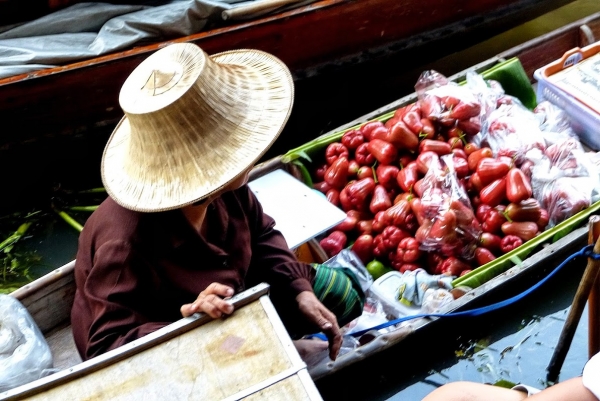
<point x="87" y="30"/>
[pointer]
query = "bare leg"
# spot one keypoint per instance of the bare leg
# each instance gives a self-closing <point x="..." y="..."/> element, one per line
<point x="471" y="391"/>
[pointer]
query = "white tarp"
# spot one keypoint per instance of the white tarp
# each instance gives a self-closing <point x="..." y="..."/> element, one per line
<point x="87" y="30"/>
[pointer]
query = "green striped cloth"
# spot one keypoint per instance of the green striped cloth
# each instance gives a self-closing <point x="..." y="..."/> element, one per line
<point x="340" y="291"/>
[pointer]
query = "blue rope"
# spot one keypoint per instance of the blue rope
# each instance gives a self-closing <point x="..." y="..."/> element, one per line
<point x="587" y="251"/>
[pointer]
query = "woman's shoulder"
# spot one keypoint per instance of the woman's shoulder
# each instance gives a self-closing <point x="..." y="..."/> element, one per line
<point x="241" y="197"/>
<point x="113" y="221"/>
<point x="109" y="210"/>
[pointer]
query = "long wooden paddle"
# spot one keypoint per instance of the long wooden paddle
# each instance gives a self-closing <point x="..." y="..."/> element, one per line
<point x="581" y="296"/>
<point x="594" y="301"/>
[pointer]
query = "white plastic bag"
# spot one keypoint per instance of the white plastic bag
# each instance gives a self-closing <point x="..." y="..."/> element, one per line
<point x="24" y="353"/>
<point x="348" y="259"/>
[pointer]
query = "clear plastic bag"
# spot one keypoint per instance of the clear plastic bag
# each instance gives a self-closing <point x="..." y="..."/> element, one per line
<point x="512" y="130"/>
<point x="453" y="228"/>
<point x="564" y="179"/>
<point x="436" y="298"/>
<point x="348" y="259"/>
<point x="415" y="284"/>
<point x="553" y="120"/>
<point x="564" y="197"/>
<point x="447" y="102"/>
<point x="24" y="353"/>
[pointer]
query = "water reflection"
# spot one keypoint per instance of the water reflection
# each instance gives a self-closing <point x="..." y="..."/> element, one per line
<point x="36" y="241"/>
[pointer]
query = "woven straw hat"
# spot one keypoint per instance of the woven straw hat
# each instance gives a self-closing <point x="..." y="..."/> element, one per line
<point x="193" y="124"/>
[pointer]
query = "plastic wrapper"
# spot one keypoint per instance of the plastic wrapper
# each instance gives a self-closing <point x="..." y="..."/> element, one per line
<point x="373" y="315"/>
<point x="489" y="93"/>
<point x="447" y="102"/>
<point x="593" y="158"/>
<point x="554" y="121"/>
<point x="452" y="228"/>
<point x="512" y="130"/>
<point x="565" y="158"/>
<point x="564" y="180"/>
<point x="568" y="157"/>
<point x="348" y="259"/>
<point x="436" y="298"/>
<point x="415" y="284"/>
<point x="564" y="197"/>
<point x="24" y="354"/>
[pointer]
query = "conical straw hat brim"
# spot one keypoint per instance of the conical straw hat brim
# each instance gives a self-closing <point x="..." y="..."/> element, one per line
<point x="216" y="121"/>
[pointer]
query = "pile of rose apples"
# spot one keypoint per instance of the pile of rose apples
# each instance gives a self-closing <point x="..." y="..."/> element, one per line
<point x="445" y="184"/>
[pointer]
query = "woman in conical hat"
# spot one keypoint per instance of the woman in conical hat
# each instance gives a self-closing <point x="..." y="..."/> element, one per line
<point x="180" y="229"/>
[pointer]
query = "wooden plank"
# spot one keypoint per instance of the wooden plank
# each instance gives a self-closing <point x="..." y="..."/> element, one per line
<point x="211" y="362"/>
<point x="49" y="299"/>
<point x="290" y="203"/>
<point x="282" y="390"/>
<point x="194" y="358"/>
<point x="61" y="343"/>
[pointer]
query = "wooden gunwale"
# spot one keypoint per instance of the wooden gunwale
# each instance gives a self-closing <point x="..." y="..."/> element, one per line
<point x="135" y="347"/>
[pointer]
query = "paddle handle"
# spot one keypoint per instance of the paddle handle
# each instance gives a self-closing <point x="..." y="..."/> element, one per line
<point x="250" y="9"/>
<point x="581" y="296"/>
<point x="594" y="300"/>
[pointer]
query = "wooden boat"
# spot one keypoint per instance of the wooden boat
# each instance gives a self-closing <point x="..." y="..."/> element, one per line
<point x="52" y="313"/>
<point x="316" y="39"/>
<point x="223" y="359"/>
<point x="546" y="256"/>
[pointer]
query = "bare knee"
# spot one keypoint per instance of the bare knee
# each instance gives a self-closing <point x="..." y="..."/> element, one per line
<point x="471" y="391"/>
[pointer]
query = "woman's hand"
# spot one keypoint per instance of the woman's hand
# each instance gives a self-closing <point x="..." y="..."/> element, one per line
<point x="210" y="301"/>
<point x="323" y="318"/>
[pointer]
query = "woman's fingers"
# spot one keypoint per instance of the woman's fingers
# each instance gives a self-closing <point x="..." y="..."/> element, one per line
<point x="210" y="301"/>
<point x="218" y="289"/>
<point x="334" y="335"/>
<point x="213" y="305"/>
<point x="316" y="312"/>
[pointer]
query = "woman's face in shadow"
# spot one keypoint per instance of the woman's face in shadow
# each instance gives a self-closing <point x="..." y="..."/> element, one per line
<point x="240" y="181"/>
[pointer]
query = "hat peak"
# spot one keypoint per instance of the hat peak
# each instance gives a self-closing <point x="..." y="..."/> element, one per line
<point x="163" y="78"/>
